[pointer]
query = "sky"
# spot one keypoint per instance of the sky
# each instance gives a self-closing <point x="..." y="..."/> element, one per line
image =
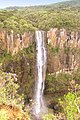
<point x="7" y="3"/>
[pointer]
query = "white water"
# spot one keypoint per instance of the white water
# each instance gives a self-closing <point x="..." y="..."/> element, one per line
<point x="41" y="72"/>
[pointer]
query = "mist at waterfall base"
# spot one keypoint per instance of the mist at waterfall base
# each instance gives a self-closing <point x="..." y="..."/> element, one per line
<point x="41" y="58"/>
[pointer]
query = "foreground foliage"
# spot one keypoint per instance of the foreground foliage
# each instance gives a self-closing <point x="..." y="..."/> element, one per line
<point x="9" y="89"/>
<point x="69" y="106"/>
<point x="3" y="115"/>
<point x="11" y="103"/>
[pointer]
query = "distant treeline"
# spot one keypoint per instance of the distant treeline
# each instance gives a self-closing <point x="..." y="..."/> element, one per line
<point x="62" y="15"/>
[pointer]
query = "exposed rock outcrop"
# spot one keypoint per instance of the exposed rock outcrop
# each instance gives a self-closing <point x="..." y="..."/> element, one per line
<point x="14" y="42"/>
<point x="66" y="45"/>
<point x="61" y="37"/>
<point x="63" y="54"/>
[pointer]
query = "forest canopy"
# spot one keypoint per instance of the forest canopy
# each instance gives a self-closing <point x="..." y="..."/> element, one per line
<point x="62" y="15"/>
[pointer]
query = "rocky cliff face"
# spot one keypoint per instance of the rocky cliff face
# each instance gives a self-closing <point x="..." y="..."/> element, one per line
<point x="63" y="50"/>
<point x="63" y="56"/>
<point x="62" y="37"/>
<point x="13" y="43"/>
<point x="63" y="47"/>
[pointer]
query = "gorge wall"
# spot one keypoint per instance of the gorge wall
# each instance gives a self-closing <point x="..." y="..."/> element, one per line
<point x="13" y="43"/>
<point x="64" y="49"/>
<point x="63" y="55"/>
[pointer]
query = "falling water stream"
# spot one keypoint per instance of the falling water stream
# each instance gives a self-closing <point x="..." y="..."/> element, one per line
<point x="41" y="72"/>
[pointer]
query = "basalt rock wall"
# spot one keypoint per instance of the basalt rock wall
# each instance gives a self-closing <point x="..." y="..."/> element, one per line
<point x="13" y="43"/>
<point x="63" y="47"/>
<point x="63" y="55"/>
<point x="63" y="50"/>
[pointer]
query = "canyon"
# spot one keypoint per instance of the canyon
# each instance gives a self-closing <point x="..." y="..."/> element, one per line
<point x="63" y="62"/>
<point x="66" y="44"/>
<point x="63" y="48"/>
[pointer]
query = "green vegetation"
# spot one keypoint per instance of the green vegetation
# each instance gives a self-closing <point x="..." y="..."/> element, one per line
<point x="57" y="82"/>
<point x="22" y="65"/>
<point x="69" y="106"/>
<point x="10" y="99"/>
<point x="49" y="116"/>
<point x="3" y="115"/>
<point x="5" y="56"/>
<point x="54" y="50"/>
<point x="9" y="89"/>
<point x="62" y="15"/>
<point x="64" y="85"/>
<point x="9" y="21"/>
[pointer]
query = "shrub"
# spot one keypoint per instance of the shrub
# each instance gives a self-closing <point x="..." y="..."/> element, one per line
<point x="3" y="115"/>
<point x="9" y="89"/>
<point x="49" y="116"/>
<point x="69" y="106"/>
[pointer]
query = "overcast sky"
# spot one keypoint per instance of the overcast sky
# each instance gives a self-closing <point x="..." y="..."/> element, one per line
<point x="7" y="3"/>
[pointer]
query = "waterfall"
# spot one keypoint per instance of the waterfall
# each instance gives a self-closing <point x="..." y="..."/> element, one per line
<point x="41" y="72"/>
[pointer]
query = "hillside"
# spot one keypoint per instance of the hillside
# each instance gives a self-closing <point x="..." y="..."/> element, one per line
<point x="67" y="4"/>
<point x="64" y="4"/>
<point x="61" y="15"/>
